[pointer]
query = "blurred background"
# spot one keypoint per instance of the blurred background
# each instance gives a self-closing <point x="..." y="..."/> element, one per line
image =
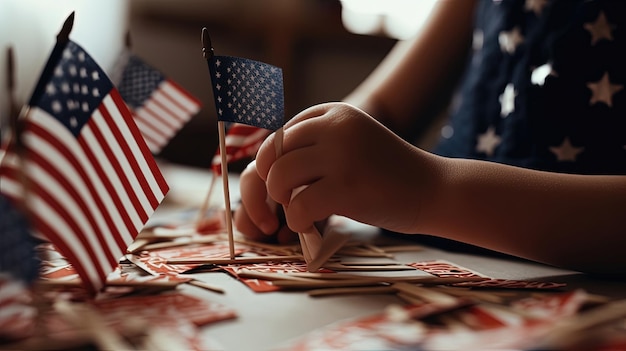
<point x="325" y="47"/>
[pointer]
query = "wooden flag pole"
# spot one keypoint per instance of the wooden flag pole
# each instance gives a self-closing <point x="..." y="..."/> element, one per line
<point x="205" y="204"/>
<point x="228" y="214"/>
<point x="207" y="52"/>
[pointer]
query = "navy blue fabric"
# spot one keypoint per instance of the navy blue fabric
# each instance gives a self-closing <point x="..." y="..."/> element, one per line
<point x="570" y="118"/>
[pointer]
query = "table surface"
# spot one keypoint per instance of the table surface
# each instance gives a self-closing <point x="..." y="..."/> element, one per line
<point x="267" y="320"/>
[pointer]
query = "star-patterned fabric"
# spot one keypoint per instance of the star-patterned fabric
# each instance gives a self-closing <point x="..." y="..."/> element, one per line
<point x="247" y="91"/>
<point x="544" y="88"/>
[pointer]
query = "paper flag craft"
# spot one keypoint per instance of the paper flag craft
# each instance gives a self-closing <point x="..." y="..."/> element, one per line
<point x="160" y="106"/>
<point x="91" y="181"/>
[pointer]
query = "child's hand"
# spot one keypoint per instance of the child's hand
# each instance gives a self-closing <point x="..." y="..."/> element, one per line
<point x="258" y="218"/>
<point x="352" y="166"/>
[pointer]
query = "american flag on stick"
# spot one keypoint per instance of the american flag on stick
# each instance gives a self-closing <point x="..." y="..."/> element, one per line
<point x="92" y="182"/>
<point x="161" y="107"/>
<point x="245" y="91"/>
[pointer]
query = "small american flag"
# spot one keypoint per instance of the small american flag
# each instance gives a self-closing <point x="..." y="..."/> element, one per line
<point x="161" y="107"/>
<point x="92" y="181"/>
<point x="242" y="141"/>
<point x="247" y="91"/>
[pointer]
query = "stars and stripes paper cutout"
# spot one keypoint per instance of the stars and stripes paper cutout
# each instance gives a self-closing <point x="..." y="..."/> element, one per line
<point x="242" y="141"/>
<point x="247" y="91"/>
<point x="161" y="107"/>
<point x="545" y="87"/>
<point x="92" y="182"/>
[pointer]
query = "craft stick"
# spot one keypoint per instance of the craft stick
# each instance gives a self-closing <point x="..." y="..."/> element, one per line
<point x="137" y="262"/>
<point x="310" y="240"/>
<point x="137" y="245"/>
<point x="332" y="242"/>
<point x="275" y="248"/>
<point x="174" y="243"/>
<point x="493" y="297"/>
<point x="419" y="279"/>
<point x="247" y="273"/>
<point x="360" y="281"/>
<point x="157" y="283"/>
<point x="357" y="290"/>
<point x="205" y="286"/>
<point x="205" y="203"/>
<point x="402" y="248"/>
<point x="319" y="283"/>
<point x="366" y="263"/>
<point x="365" y="268"/>
<point x="428" y="295"/>
<point x="408" y="298"/>
<point x="238" y="260"/>
<point x="227" y="213"/>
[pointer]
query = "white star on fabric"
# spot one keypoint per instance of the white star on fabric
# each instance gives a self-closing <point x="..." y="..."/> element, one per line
<point x="510" y="40"/>
<point x="566" y="151"/>
<point x="507" y="100"/>
<point x="602" y="90"/>
<point x="539" y="74"/>
<point x="478" y="38"/>
<point x="488" y="141"/>
<point x="535" y="6"/>
<point x="600" y="29"/>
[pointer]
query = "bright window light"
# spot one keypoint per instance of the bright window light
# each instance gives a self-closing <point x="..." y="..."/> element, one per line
<point x="399" y="19"/>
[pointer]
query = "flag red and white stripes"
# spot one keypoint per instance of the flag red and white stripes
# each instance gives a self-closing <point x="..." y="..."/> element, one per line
<point x="164" y="114"/>
<point x="241" y="141"/>
<point x="161" y="107"/>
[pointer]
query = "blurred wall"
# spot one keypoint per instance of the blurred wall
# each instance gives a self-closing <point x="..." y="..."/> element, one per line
<point x="321" y="61"/>
<point x="30" y="28"/>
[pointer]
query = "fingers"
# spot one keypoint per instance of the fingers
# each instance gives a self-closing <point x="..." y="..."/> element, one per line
<point x="312" y="204"/>
<point x="258" y="212"/>
<point x="300" y="131"/>
<point x="295" y="169"/>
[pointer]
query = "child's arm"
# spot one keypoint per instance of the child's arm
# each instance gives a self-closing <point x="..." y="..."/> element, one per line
<point x="418" y="75"/>
<point x="357" y="168"/>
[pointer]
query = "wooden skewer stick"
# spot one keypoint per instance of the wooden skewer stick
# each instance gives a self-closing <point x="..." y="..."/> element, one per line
<point x="239" y="260"/>
<point x="361" y="290"/>
<point x="205" y="204"/>
<point x="315" y="249"/>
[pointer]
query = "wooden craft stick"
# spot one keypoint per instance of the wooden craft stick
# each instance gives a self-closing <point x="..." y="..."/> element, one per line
<point x="319" y="283"/>
<point x="247" y="273"/>
<point x="287" y="250"/>
<point x="137" y="245"/>
<point x="367" y="268"/>
<point x="227" y="213"/>
<point x="205" y="203"/>
<point x="357" y="290"/>
<point x="179" y="242"/>
<point x="205" y="286"/>
<point x="237" y="260"/>
<point x="417" y="280"/>
<point x="310" y="240"/>
<point x="428" y="295"/>
<point x="332" y="242"/>
<point x="360" y="281"/>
